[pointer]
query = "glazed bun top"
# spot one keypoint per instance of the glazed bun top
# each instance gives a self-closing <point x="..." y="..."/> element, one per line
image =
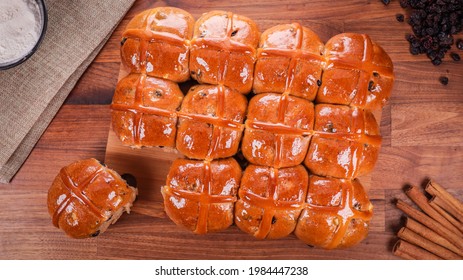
<point x="358" y="72"/>
<point x="223" y="50"/>
<point x="221" y="24"/>
<point x="291" y="36"/>
<point x="85" y="195"/>
<point x="156" y="42"/>
<point x="164" y="19"/>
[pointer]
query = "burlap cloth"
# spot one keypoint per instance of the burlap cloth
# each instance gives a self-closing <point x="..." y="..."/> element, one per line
<point x="32" y="93"/>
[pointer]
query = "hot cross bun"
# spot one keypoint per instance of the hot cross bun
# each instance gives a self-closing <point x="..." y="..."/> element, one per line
<point x="211" y="122"/>
<point x="336" y="213"/>
<point x="156" y="42"/>
<point x="200" y="195"/>
<point x="86" y="197"/>
<point x="358" y="72"/>
<point x="144" y="111"/>
<point x="223" y="50"/>
<point x="346" y="142"/>
<point x="278" y="130"/>
<point x="289" y="60"/>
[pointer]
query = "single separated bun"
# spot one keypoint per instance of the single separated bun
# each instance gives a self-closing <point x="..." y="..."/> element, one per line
<point x="86" y="197"/>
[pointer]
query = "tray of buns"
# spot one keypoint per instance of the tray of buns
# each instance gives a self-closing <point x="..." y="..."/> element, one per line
<point x="221" y="125"/>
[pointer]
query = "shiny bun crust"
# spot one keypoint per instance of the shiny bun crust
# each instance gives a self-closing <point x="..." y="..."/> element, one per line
<point x="358" y="72"/>
<point x="86" y="197"/>
<point x="346" y="142"/>
<point x="156" y="42"/>
<point x="223" y="50"/>
<point x="290" y="57"/>
<point x="144" y="111"/>
<point x="322" y="212"/>
<point x="270" y="200"/>
<point x="275" y="132"/>
<point x="211" y="122"/>
<point x="336" y="213"/>
<point x="200" y="195"/>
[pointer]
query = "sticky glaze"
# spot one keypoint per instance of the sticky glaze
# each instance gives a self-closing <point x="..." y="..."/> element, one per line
<point x="321" y="211"/>
<point x="289" y="60"/>
<point x="85" y="195"/>
<point x="141" y="101"/>
<point x="342" y="138"/>
<point x="157" y="43"/>
<point x="216" y="111"/>
<point x="279" y="131"/>
<point x="352" y="64"/>
<point x="75" y="192"/>
<point x="273" y="197"/>
<point x="222" y="39"/>
<point x="210" y="189"/>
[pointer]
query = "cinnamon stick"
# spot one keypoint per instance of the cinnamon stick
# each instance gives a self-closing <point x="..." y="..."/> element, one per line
<point x="420" y="199"/>
<point x="401" y="252"/>
<point x="406" y="250"/>
<point x="431" y="235"/>
<point x="436" y="190"/>
<point x="410" y="236"/>
<point x="449" y="208"/>
<point x="430" y="223"/>
<point x="446" y="215"/>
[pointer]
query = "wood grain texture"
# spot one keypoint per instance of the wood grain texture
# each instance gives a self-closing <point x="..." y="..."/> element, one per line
<point x="421" y="127"/>
<point x="26" y="230"/>
<point x="427" y="124"/>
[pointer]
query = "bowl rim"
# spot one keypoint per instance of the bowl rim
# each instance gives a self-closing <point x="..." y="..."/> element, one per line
<point x="44" y="12"/>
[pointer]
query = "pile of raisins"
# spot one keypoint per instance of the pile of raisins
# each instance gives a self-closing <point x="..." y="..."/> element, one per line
<point x="434" y="23"/>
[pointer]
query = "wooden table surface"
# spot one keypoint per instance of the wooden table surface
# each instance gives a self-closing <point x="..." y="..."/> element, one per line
<point x="421" y="127"/>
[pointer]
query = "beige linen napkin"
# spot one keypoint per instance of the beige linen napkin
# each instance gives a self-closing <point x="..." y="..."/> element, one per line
<point x="32" y="93"/>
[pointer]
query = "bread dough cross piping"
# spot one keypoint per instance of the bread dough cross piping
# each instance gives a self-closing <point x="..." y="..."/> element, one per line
<point x="76" y="191"/>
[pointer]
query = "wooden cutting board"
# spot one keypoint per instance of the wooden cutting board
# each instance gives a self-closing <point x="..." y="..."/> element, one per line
<point x="148" y="169"/>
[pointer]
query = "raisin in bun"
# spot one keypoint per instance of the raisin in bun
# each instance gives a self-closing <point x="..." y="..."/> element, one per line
<point x="144" y="111"/>
<point x="211" y="122"/>
<point x="346" y="142"/>
<point x="358" y="72"/>
<point x="289" y="60"/>
<point x="223" y="50"/>
<point x="270" y="200"/>
<point x="86" y="197"/>
<point x="200" y="195"/>
<point x="278" y="130"/>
<point x="336" y="213"/>
<point x="156" y="42"/>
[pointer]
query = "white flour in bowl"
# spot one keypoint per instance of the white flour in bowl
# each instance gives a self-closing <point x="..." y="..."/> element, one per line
<point x="20" y="27"/>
